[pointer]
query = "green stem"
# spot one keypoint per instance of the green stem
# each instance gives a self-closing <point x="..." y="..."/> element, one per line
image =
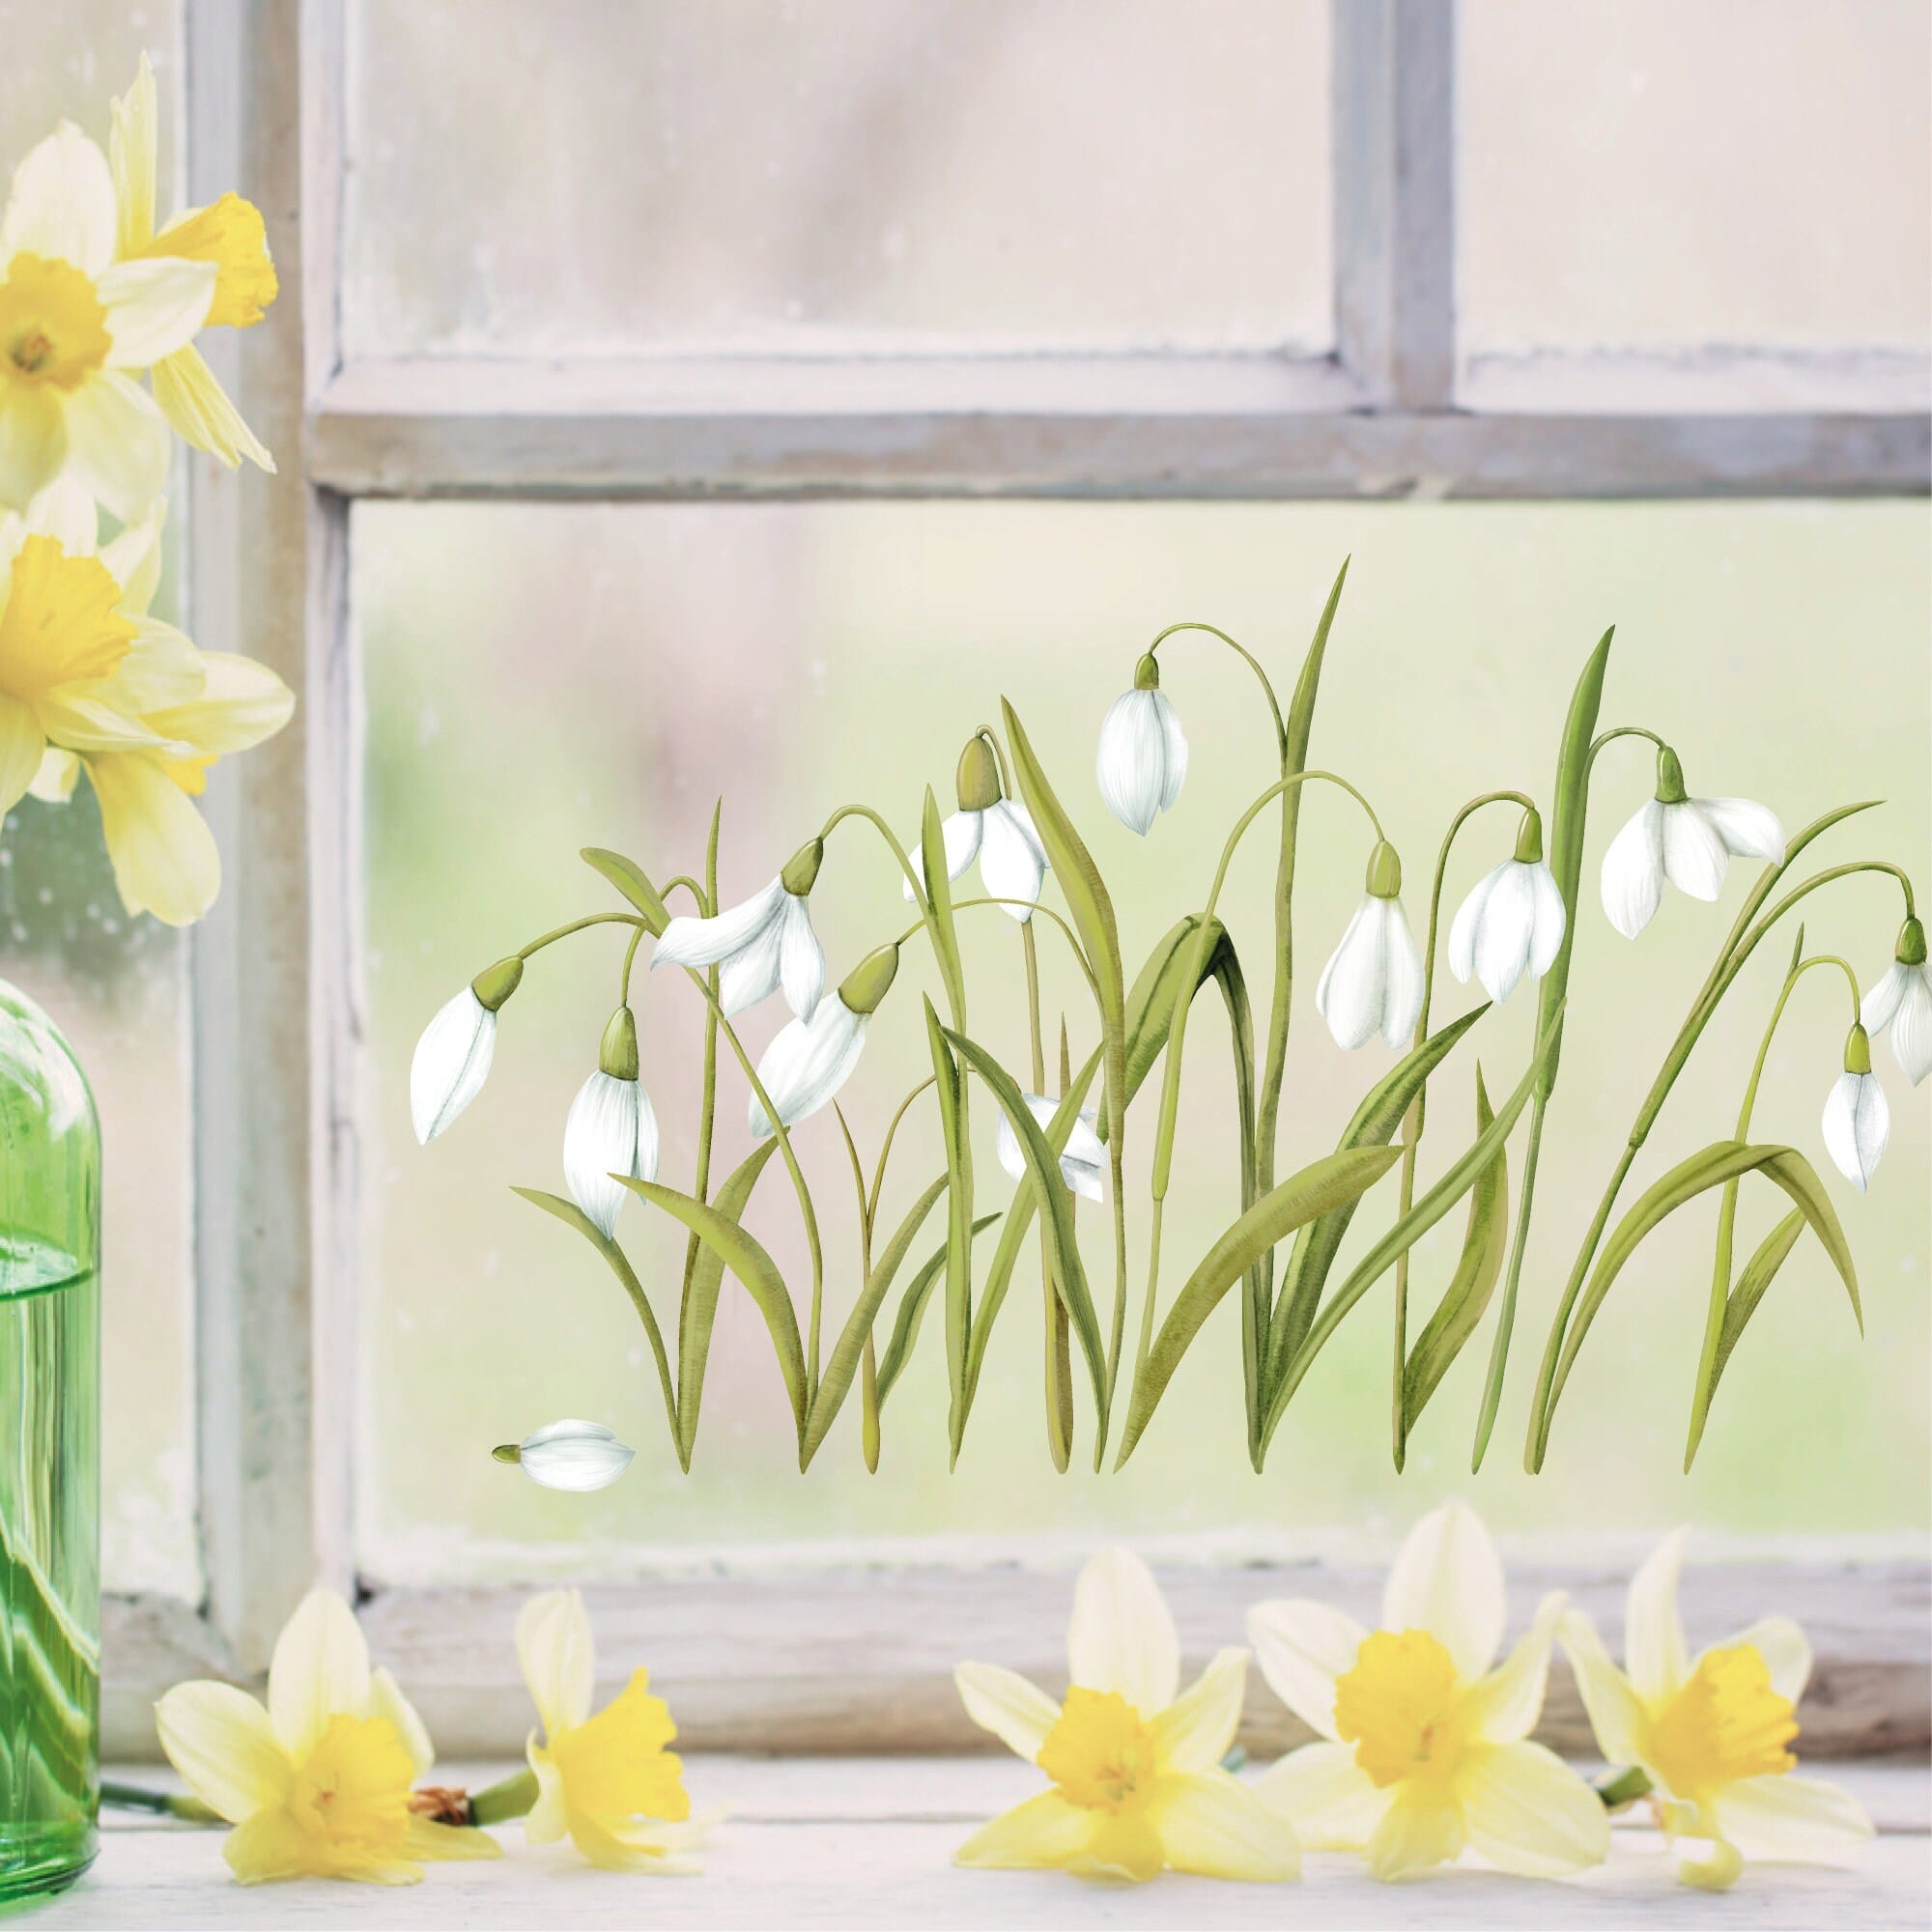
<point x="708" y="906"/>
<point x="509" y="1798"/>
<point x="1248" y="657"/>
<point x="1603" y="738"/>
<point x="1056" y="1434"/>
<point x="919" y="926"/>
<point x="890" y="837"/>
<point x="578" y="926"/>
<point x="162" y="1803"/>
<point x="630" y="959"/>
<point x="1624" y="1788"/>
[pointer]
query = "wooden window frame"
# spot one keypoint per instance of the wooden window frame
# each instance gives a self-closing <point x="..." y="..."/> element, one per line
<point x="843" y="1657"/>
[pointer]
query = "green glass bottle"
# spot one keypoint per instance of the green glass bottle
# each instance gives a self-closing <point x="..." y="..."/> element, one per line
<point x="49" y="1455"/>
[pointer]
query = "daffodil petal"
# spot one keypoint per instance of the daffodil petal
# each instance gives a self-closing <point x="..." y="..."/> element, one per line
<point x="53" y="783"/>
<point x="1448" y="1580"/>
<point x="22" y="746"/>
<point x="117" y="442"/>
<point x="1785" y="1649"/>
<point x="1507" y="1703"/>
<point x="269" y="1846"/>
<point x="1044" y="1832"/>
<point x="65" y="512"/>
<point x="549" y="1817"/>
<point x="558" y="1657"/>
<point x="612" y="1851"/>
<point x="154" y="308"/>
<point x="1121" y="1638"/>
<point x="239" y="704"/>
<point x="1422" y="1827"/>
<point x="33" y="441"/>
<point x="62" y="204"/>
<point x="1526" y="1812"/>
<point x="221" y="1742"/>
<point x="130" y="157"/>
<point x="1213" y="1825"/>
<point x="164" y="857"/>
<point x="320" y="1669"/>
<point x="1615" y="1710"/>
<point x="1125" y="1847"/>
<point x="199" y="411"/>
<point x="1303" y="1647"/>
<point x="1654" y="1653"/>
<point x="1332" y="1802"/>
<point x="1017" y="1713"/>
<point x="386" y="1701"/>
<point x="427" y="1839"/>
<point x="1785" y="1819"/>
<point x="1194" y="1731"/>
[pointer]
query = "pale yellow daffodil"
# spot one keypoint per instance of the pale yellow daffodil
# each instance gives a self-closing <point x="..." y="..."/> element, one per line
<point x="1712" y="1733"/>
<point x="607" y="1783"/>
<point x="1425" y="1748"/>
<point x="1135" y="1762"/>
<point x="317" y="1784"/>
<point x="230" y="234"/>
<point x="90" y="681"/>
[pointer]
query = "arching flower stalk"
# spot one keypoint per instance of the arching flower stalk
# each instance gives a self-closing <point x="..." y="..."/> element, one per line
<point x="996" y="830"/>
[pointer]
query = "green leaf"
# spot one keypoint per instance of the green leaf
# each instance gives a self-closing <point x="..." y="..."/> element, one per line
<point x="1485" y="1239"/>
<point x="949" y="1091"/>
<point x="1053" y="1201"/>
<point x="752" y="1266"/>
<point x="628" y="876"/>
<point x="1316" y="1245"/>
<point x="912" y="1312"/>
<point x="1408" y="1228"/>
<point x="701" y="1306"/>
<point x="574" y="1216"/>
<point x="851" y="1344"/>
<point x="1710" y="1167"/>
<point x="939" y="898"/>
<point x="1740" y="1305"/>
<point x="1316" y="1190"/>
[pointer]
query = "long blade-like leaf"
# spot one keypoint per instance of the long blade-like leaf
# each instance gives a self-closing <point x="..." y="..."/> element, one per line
<point x="1315" y="1190"/>
<point x="949" y="1096"/>
<point x="1739" y="1307"/>
<point x="753" y="1267"/>
<point x="912" y="1312"/>
<point x="701" y="1308"/>
<point x="628" y="876"/>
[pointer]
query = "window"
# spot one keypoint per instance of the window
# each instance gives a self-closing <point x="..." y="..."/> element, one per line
<point x="562" y="289"/>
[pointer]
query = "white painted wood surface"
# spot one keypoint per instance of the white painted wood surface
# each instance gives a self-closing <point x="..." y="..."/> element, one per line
<point x="869" y="1842"/>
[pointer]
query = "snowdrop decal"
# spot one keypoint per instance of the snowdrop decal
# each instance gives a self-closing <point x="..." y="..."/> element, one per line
<point x="569" y="1455"/>
<point x="765" y="943"/>
<point x="1112" y="1344"/>
<point x="1687" y="841"/>
<point x="1857" y="1120"/>
<point x="1901" y="1003"/>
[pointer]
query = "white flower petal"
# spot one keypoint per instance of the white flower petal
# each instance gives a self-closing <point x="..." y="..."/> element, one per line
<point x="1617" y="1712"/>
<point x="1303" y="1647"/>
<point x="154" y="308"/>
<point x="1783" y="1819"/>
<point x="1194" y="1732"/>
<point x="1402" y="992"/>
<point x="62" y="204"/>
<point x="1350" y="994"/>
<point x="1507" y="1703"/>
<point x="1526" y="1812"/>
<point x="1422" y="1827"/>
<point x="960" y="833"/>
<point x="753" y="973"/>
<point x="452" y="1061"/>
<point x="1120" y="1637"/>
<point x="559" y="1657"/>
<point x="65" y="511"/>
<point x="1881" y="1002"/>
<point x="1017" y="1713"/>
<point x="1212" y="1824"/>
<point x="1750" y="829"/>
<point x="1467" y="921"/>
<point x="1507" y="925"/>
<point x="573" y="1455"/>
<point x="1131" y="764"/>
<point x="808" y="1063"/>
<point x="801" y="960"/>
<point x="1551" y="920"/>
<point x="1173" y="743"/>
<point x="1632" y="877"/>
<point x="611" y="1129"/>
<point x="117" y="444"/>
<point x="1080" y="1164"/>
<point x="1332" y="1802"/>
<point x="1857" y="1125"/>
<point x="1654" y="1652"/>
<point x="1694" y="858"/>
<point x="1448" y="1580"/>
<point x="1785" y="1649"/>
<point x="319" y="1670"/>
<point x="706" y="942"/>
<point x="1012" y="865"/>
<point x="33" y="441"/>
<point x="1912" y="1025"/>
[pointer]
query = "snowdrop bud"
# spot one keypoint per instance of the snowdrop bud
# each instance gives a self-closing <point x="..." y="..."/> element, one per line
<point x="1372" y="980"/>
<point x="868" y="983"/>
<point x="569" y="1455"/>
<point x="452" y="1058"/>
<point x="978" y="779"/>
<point x="1669" y="777"/>
<point x="1856" y="1121"/>
<point x="1529" y="838"/>
<point x="1911" y="948"/>
<point x="1384" y="880"/>
<point x="1142" y="760"/>
<point x="617" y="1052"/>
<point x="801" y="872"/>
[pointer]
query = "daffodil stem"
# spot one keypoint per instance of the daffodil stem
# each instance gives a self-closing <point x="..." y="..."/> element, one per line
<point x="162" y="1803"/>
<point x="509" y="1798"/>
<point x="1624" y="1788"/>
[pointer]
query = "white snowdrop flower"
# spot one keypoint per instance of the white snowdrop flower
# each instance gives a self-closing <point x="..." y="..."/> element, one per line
<point x="1372" y="980"/>
<point x="569" y="1455"/>
<point x="1687" y="841"/>
<point x="1856" y="1121"/>
<point x="1903" y="1002"/>
<point x="1513" y="921"/>
<point x="1080" y="1165"/>
<point x="760" y="945"/>
<point x="452" y="1058"/>
<point x="810" y="1060"/>
<point x="611" y="1128"/>
<point x="997" y="830"/>
<point x="1142" y="755"/>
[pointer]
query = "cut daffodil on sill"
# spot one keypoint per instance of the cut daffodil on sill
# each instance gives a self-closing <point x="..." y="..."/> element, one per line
<point x="1711" y="1733"/>
<point x="317" y="1784"/>
<point x="608" y="1781"/>
<point x="1424" y="1746"/>
<point x="1135" y="1762"/>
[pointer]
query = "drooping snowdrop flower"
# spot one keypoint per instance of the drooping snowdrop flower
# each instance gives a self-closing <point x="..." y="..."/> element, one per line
<point x="1903" y="1002"/>
<point x="1142" y="755"/>
<point x="611" y="1128"/>
<point x="1513" y="921"/>
<point x="759" y="946"/>
<point x="1084" y="1159"/>
<point x="569" y="1455"/>
<point x="1425" y="1738"/>
<point x="1856" y="1121"/>
<point x="1372" y="980"/>
<point x="1711" y="1733"/>
<point x="452" y="1058"/>
<point x="1135" y="1761"/>
<point x="997" y="830"/>
<point x="1687" y="841"/>
<point x="810" y="1060"/>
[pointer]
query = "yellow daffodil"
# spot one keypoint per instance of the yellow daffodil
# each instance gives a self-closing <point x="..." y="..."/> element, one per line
<point x="90" y="681"/>
<point x="1135" y="1762"/>
<point x="1424" y="1746"/>
<point x="316" y="1785"/>
<point x="607" y="1783"/>
<point x="230" y="234"/>
<point x="1712" y="1733"/>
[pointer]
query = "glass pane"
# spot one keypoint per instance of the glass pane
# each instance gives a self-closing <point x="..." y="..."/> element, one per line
<point x="542" y="678"/>
<point x="117" y="987"/>
<point x="824" y="175"/>
<point x="1642" y="173"/>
